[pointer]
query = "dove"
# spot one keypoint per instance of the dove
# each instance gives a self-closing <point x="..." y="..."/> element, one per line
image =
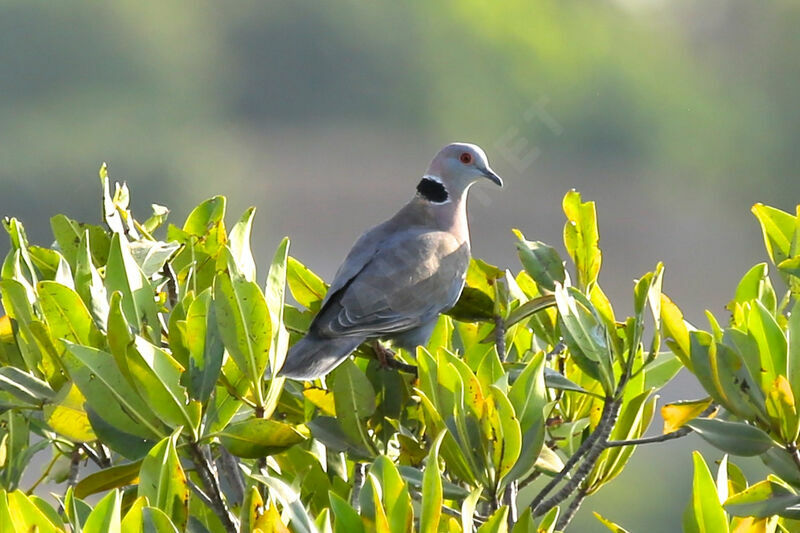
<point x="400" y="275"/>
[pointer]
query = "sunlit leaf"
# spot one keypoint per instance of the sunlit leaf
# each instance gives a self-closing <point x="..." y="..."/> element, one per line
<point x="259" y="437"/>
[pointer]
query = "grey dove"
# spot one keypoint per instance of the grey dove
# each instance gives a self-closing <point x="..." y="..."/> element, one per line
<point x="401" y="274"/>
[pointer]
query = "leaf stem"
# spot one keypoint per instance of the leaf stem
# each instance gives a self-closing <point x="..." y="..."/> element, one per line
<point x="44" y="474"/>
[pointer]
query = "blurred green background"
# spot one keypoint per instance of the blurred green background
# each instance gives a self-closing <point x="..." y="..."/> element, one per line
<point x="674" y="116"/>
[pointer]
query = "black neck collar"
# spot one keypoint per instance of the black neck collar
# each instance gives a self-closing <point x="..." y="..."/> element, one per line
<point x="432" y="190"/>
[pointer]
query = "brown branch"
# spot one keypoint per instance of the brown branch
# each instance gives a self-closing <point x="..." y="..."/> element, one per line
<point x="574" y="459"/>
<point x="566" y="518"/>
<point x="600" y="434"/>
<point x="205" y="468"/>
<point x="510" y="499"/>
<point x="74" y="467"/>
<point x="500" y="336"/>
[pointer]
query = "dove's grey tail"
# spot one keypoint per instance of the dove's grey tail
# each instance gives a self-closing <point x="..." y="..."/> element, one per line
<point x="313" y="356"/>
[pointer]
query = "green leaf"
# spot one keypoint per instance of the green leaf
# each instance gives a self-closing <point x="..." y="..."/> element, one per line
<point x="541" y="261"/>
<point x="765" y="498"/>
<point x="89" y="284"/>
<point x="528" y="395"/>
<point x="67" y="235"/>
<point x="468" y="510"/>
<point x="205" y="347"/>
<point x="259" y="437"/>
<point x="530" y="308"/>
<point x="138" y="296"/>
<point x="345" y="517"/>
<point x="328" y="430"/>
<point x="505" y="439"/>
<point x="771" y="343"/>
<point x="704" y="513"/>
<point x="354" y="399"/>
<point x="793" y="350"/>
<point x="157" y="376"/>
<point x="307" y="288"/>
<point x="585" y="335"/>
<point x="24" y="514"/>
<point x="662" y="370"/>
<point x="610" y="525"/>
<point x="155" y="520"/>
<point x="66" y="415"/>
<point x="736" y="438"/>
<point x="777" y="228"/>
<point x="676" y="331"/>
<point x="105" y="517"/>
<point x="205" y="216"/>
<point x="525" y="523"/>
<point x="432" y="500"/>
<point x="129" y="446"/>
<point x="132" y="522"/>
<point x="152" y="255"/>
<point x="244" y="324"/>
<point x="581" y="237"/>
<point x="113" y="477"/>
<point x="157" y="219"/>
<point x="24" y="386"/>
<point x="279" y="344"/>
<point x="67" y="315"/>
<point x="240" y="244"/>
<point x="301" y="522"/>
<point x="548" y="523"/>
<point x="163" y="482"/>
<point x="393" y="493"/>
<point x="414" y="477"/>
<point x="497" y="522"/>
<point x="473" y="305"/>
<point x="99" y="379"/>
<point x="18" y="307"/>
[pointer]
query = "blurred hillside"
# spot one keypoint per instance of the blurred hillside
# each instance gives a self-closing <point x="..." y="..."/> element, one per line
<point x="674" y="116"/>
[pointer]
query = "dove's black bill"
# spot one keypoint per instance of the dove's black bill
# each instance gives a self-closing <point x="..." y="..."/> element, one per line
<point x="493" y="177"/>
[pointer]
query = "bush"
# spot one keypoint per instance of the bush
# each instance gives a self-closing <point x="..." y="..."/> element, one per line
<point x="155" y="360"/>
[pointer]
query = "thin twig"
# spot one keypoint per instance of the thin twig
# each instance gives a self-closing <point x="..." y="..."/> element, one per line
<point x="530" y="479"/>
<point x="202" y="495"/>
<point x="44" y="474"/>
<point x="500" y="336"/>
<point x="794" y="453"/>
<point x="94" y="456"/>
<point x="510" y="499"/>
<point x="387" y="359"/>
<point x="566" y="518"/>
<point x="677" y="434"/>
<point x="682" y="432"/>
<point x="359" y="471"/>
<point x="74" y="467"/>
<point x="207" y="472"/>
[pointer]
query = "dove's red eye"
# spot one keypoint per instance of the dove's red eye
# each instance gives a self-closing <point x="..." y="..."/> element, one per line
<point x="466" y="158"/>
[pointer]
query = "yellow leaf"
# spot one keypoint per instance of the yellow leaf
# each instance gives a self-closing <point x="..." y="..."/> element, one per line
<point x="677" y="414"/>
<point x="270" y="521"/>
<point x="322" y="399"/>
<point x="782" y="410"/>
<point x="6" y="330"/>
<point x="67" y="417"/>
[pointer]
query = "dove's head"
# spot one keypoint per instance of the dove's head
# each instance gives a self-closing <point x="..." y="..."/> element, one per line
<point x="459" y="165"/>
